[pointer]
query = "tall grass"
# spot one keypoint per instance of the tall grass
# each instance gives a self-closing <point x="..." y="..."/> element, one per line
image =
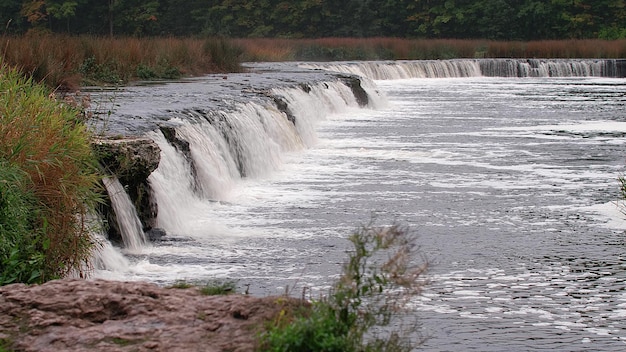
<point x="328" y="49"/>
<point x="68" y="62"/>
<point x="49" y="179"/>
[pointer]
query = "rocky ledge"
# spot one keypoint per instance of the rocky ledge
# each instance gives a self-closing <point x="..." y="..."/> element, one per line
<point x="79" y="315"/>
<point x="131" y="160"/>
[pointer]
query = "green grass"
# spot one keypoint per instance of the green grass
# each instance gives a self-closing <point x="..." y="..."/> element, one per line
<point x="217" y="287"/>
<point x="208" y="288"/>
<point x="48" y="184"/>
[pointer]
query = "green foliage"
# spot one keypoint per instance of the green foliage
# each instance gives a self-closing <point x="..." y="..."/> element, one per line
<point x="163" y="70"/>
<point x="5" y="345"/>
<point x="364" y="310"/>
<point x="225" y="55"/>
<point x="318" y="331"/>
<point x="217" y="287"/>
<point x="100" y="72"/>
<point x="21" y="256"/>
<point x="48" y="184"/>
<point x="484" y="19"/>
<point x="208" y="288"/>
<point x="182" y="285"/>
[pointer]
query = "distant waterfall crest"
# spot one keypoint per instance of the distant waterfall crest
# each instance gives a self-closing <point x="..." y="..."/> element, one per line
<point x="385" y="70"/>
<point x="125" y="214"/>
<point x="212" y="151"/>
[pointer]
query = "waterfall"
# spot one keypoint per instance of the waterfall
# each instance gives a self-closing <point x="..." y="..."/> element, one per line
<point x="212" y="151"/>
<point x="125" y="214"/>
<point x="106" y="257"/>
<point x="380" y="70"/>
<point x="384" y="70"/>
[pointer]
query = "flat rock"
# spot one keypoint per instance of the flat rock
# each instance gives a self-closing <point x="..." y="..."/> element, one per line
<point x="81" y="315"/>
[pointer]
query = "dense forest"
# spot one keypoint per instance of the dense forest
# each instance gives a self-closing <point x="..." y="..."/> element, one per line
<point x="461" y="19"/>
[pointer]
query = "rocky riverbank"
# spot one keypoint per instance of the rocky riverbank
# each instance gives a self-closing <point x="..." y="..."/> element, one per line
<point x="80" y="315"/>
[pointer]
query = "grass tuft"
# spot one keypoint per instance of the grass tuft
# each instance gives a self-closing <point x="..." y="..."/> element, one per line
<point x="208" y="288"/>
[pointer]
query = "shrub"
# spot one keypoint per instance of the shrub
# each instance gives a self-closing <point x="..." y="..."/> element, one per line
<point x="49" y="183"/>
<point x="225" y="55"/>
<point x="365" y="309"/>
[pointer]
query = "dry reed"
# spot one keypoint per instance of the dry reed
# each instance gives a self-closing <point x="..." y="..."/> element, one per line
<point x="415" y="49"/>
<point x="67" y="61"/>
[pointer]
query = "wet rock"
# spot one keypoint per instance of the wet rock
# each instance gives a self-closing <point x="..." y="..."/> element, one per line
<point x="131" y="160"/>
<point x="156" y="234"/>
<point x="79" y="315"/>
<point x="354" y="82"/>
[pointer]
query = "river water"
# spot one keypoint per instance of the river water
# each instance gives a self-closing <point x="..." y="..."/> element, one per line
<point x="510" y="184"/>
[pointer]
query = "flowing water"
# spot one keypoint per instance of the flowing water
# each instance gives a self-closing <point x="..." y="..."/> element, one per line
<point x="128" y="223"/>
<point x="511" y="185"/>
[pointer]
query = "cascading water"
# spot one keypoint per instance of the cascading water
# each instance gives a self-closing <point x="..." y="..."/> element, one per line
<point x="389" y="70"/>
<point x="125" y="214"/>
<point x="226" y="148"/>
<point x="510" y="185"/>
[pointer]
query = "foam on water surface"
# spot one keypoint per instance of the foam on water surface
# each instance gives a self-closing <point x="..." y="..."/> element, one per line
<point x="509" y="184"/>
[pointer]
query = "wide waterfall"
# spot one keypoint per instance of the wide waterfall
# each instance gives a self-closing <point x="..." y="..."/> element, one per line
<point x="212" y="151"/>
<point x="387" y="70"/>
<point x="510" y="185"/>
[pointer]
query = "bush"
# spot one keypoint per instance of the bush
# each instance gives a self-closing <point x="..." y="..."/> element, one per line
<point x="49" y="182"/>
<point x="225" y="55"/>
<point x="365" y="309"/>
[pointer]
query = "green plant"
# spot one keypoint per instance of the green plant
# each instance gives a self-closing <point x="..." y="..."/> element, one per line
<point x="93" y="72"/>
<point x="21" y="259"/>
<point x="218" y="287"/>
<point x="225" y="55"/>
<point x="48" y="163"/>
<point x="182" y="285"/>
<point x="5" y="345"/>
<point x="209" y="288"/>
<point x="365" y="309"/>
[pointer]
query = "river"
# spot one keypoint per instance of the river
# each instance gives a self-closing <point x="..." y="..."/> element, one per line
<point x="511" y="185"/>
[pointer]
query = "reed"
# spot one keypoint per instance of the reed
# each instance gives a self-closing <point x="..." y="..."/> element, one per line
<point x="330" y="49"/>
<point x="68" y="62"/>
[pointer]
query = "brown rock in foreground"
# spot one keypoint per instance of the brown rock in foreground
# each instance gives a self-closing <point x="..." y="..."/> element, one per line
<point x="79" y="315"/>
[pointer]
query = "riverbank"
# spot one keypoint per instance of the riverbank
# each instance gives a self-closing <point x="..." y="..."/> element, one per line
<point x="79" y="315"/>
<point x="70" y="62"/>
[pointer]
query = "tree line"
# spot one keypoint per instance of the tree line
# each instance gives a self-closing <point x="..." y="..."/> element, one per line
<point x="460" y="19"/>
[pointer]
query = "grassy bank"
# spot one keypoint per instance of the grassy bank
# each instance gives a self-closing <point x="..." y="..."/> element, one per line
<point x="48" y="183"/>
<point x="67" y="62"/>
<point x="329" y="49"/>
